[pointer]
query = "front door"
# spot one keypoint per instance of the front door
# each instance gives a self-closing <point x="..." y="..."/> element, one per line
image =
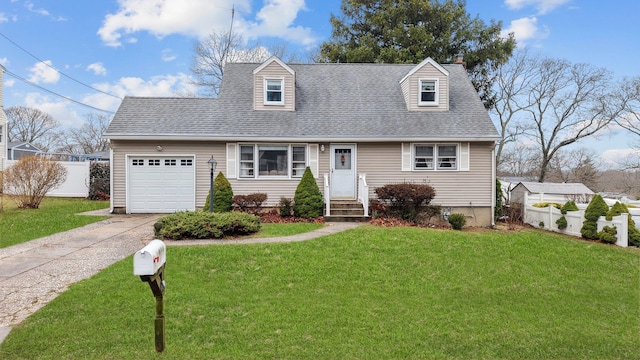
<point x="343" y="171"/>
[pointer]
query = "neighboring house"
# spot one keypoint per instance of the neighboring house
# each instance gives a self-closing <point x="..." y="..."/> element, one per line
<point x="18" y="150"/>
<point x="554" y="192"/>
<point x="357" y="126"/>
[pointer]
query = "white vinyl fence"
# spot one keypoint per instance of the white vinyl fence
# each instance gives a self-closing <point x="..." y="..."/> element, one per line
<point x="77" y="183"/>
<point x="545" y="218"/>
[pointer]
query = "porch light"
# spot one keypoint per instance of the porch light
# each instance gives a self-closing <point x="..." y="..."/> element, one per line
<point x="212" y="166"/>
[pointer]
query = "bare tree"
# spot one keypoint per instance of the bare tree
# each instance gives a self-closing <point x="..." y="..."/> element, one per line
<point x="32" y="125"/>
<point x="579" y="165"/>
<point x="31" y="178"/>
<point x="218" y="49"/>
<point x="562" y="103"/>
<point x="88" y="137"/>
<point x="512" y="81"/>
<point x="519" y="160"/>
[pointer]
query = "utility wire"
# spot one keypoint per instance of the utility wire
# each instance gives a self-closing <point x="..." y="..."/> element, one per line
<point x="60" y="72"/>
<point x="53" y="92"/>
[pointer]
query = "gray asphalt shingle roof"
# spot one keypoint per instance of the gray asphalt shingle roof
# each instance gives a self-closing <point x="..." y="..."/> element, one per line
<point x="333" y="101"/>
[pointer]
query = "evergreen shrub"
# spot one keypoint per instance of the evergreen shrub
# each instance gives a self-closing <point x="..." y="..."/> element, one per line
<point x="307" y="201"/>
<point x="457" y="221"/>
<point x="223" y="195"/>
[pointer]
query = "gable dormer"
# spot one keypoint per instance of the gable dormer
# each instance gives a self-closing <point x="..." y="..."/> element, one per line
<point x="426" y="87"/>
<point x="274" y="84"/>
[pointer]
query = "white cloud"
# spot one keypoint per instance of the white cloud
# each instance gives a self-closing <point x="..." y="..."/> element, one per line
<point x="161" y="85"/>
<point x="29" y="5"/>
<point x="277" y="17"/>
<point x="97" y="68"/>
<point x="525" y="30"/>
<point x="616" y="156"/>
<point x="4" y="61"/>
<point x="199" y="18"/>
<point x="164" y="17"/>
<point x="542" y="6"/>
<point x="168" y="55"/>
<point x="3" y="18"/>
<point x="43" y="72"/>
<point x="59" y="109"/>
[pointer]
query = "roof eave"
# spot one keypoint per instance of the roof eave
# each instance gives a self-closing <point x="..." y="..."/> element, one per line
<point x="167" y="137"/>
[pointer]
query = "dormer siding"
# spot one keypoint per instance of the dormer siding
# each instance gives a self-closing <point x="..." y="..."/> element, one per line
<point x="274" y="71"/>
<point x="427" y="71"/>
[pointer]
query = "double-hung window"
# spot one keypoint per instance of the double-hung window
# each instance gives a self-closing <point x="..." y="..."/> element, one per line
<point x="273" y="92"/>
<point x="435" y="157"/>
<point x="272" y="160"/>
<point x="428" y="92"/>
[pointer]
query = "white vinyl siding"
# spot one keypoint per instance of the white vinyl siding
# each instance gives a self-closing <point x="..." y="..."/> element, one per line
<point x="274" y="71"/>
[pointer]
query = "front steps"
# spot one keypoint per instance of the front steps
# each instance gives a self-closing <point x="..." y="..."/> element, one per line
<point x="346" y="211"/>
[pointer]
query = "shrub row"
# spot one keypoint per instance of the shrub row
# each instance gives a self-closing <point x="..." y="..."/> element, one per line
<point x="206" y="225"/>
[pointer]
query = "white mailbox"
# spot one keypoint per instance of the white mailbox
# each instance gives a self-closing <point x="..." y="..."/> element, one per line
<point x="149" y="259"/>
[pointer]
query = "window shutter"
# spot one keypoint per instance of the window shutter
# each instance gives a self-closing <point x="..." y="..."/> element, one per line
<point x="406" y="157"/>
<point x="313" y="159"/>
<point x="231" y="161"/>
<point x="464" y="156"/>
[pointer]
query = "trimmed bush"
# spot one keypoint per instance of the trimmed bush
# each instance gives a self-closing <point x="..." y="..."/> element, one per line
<point x="99" y="181"/>
<point x="608" y="234"/>
<point x="405" y="200"/>
<point x="251" y="203"/>
<point x="633" y="234"/>
<point x="206" y="225"/>
<point x="562" y="223"/>
<point x="223" y="195"/>
<point x="596" y="208"/>
<point x="285" y="207"/>
<point x="569" y="206"/>
<point x="457" y="221"/>
<point x="307" y="202"/>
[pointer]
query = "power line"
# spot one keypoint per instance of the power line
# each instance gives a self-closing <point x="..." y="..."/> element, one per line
<point x="58" y="71"/>
<point x="53" y="92"/>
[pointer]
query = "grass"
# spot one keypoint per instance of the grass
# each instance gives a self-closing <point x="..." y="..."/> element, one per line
<point x="367" y="293"/>
<point x="286" y="229"/>
<point x="54" y="215"/>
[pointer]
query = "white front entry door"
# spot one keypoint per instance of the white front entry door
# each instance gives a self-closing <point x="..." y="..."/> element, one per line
<point x="343" y="171"/>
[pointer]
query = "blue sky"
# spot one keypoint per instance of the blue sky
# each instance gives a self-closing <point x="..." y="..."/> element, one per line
<point x="145" y="47"/>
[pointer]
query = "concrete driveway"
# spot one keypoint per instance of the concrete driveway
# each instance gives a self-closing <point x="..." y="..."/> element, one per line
<point x="35" y="272"/>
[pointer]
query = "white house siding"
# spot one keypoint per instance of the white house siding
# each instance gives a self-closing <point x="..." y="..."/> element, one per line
<point x="410" y="89"/>
<point x="274" y="71"/>
<point x="467" y="192"/>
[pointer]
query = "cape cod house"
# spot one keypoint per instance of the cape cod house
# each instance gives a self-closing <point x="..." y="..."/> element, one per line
<point x="357" y="126"/>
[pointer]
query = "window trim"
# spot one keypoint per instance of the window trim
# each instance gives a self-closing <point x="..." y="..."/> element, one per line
<point x="256" y="163"/>
<point x="435" y="157"/>
<point x="436" y="100"/>
<point x="266" y="91"/>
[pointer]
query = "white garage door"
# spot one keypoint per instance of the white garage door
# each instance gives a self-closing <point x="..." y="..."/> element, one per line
<point x="161" y="184"/>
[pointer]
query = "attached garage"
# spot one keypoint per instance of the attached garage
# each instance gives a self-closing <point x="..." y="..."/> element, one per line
<point x="160" y="184"/>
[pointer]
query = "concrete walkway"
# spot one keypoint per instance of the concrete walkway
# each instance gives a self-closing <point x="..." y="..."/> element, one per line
<point x="35" y="272"/>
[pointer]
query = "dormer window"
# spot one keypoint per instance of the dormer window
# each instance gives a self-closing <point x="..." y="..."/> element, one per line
<point x="428" y="92"/>
<point x="273" y="92"/>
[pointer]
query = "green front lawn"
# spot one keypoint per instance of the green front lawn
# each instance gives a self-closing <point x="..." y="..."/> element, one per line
<point x="54" y="215"/>
<point x="367" y="293"/>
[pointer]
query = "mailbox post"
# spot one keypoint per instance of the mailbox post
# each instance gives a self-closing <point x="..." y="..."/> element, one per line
<point x="149" y="263"/>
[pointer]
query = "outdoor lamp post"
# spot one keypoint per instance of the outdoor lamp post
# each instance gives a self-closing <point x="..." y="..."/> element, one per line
<point x="212" y="165"/>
